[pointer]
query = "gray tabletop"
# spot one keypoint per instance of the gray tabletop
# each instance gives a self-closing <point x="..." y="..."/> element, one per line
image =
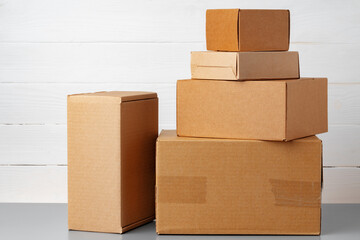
<point x="49" y="221"/>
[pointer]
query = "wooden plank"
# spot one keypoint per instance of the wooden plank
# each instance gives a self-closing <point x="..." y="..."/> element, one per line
<point x="96" y="63"/>
<point x="49" y="184"/>
<point x="341" y="146"/>
<point x="148" y="62"/>
<point x="33" y="144"/>
<point x="33" y="184"/>
<point x="46" y="103"/>
<point x="341" y="185"/>
<point x="46" y="144"/>
<point x="163" y="20"/>
<point x="36" y="144"/>
<point x="39" y="103"/>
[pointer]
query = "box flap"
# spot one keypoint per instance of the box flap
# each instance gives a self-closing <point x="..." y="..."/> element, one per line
<point x="214" y="65"/>
<point x="123" y="96"/>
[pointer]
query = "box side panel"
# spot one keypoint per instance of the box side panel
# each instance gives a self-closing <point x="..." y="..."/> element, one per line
<point x="139" y="130"/>
<point x="264" y="30"/>
<point x="307" y="107"/>
<point x="228" y="109"/>
<point x="268" y="65"/>
<point x="94" y="164"/>
<point x="222" y="29"/>
<point x="250" y="185"/>
<point x="214" y="65"/>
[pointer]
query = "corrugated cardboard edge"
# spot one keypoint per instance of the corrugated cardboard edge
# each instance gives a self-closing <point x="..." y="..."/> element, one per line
<point x="289" y="33"/>
<point x="286" y="113"/>
<point x="298" y="57"/>
<point x="177" y="113"/>
<point x="321" y="181"/>
<point x="238" y="30"/>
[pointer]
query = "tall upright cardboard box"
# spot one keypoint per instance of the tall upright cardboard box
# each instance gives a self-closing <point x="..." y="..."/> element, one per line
<point x="111" y="160"/>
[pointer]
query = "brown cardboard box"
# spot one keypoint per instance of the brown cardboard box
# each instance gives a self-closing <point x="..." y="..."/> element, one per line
<point x="278" y="110"/>
<point x="111" y="160"/>
<point x="247" y="30"/>
<point x="224" y="186"/>
<point x="244" y="65"/>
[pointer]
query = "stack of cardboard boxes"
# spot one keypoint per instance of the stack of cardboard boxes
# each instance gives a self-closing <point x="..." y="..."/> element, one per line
<point x="231" y="168"/>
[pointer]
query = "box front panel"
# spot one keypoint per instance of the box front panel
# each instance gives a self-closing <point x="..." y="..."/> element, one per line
<point x="139" y="130"/>
<point x="228" y="109"/>
<point x="94" y="164"/>
<point x="223" y="187"/>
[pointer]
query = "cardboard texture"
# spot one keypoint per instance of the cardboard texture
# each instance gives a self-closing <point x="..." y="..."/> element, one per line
<point x="278" y="110"/>
<point x="244" y="65"/>
<point x="111" y="160"/>
<point x="247" y="30"/>
<point x="224" y="186"/>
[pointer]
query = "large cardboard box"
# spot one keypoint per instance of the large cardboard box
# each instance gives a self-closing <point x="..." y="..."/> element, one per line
<point x="111" y="160"/>
<point x="278" y="110"/>
<point x="224" y="186"/>
<point x="247" y="30"/>
<point x="244" y="65"/>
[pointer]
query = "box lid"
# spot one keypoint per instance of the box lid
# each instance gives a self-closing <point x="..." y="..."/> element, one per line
<point x="122" y="96"/>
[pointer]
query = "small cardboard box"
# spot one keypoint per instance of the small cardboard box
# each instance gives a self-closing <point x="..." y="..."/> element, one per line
<point x="224" y="186"/>
<point x="244" y="65"/>
<point x="111" y="160"/>
<point x="279" y="110"/>
<point x="247" y="30"/>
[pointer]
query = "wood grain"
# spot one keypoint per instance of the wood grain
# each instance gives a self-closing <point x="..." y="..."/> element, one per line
<point x="148" y="62"/>
<point x="341" y="185"/>
<point x="46" y="144"/>
<point x="39" y="103"/>
<point x="163" y="20"/>
<point x="33" y="184"/>
<point x="46" y="103"/>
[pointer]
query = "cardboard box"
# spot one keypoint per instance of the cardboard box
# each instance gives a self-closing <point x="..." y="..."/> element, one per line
<point x="244" y="65"/>
<point x="224" y="186"/>
<point x="247" y="30"/>
<point x="111" y="160"/>
<point x="278" y="110"/>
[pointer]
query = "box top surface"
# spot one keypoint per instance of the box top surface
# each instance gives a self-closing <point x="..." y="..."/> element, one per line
<point x="170" y="136"/>
<point x="273" y="81"/>
<point x="123" y="96"/>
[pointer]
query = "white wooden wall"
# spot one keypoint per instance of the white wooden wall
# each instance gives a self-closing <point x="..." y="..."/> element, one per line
<point x="51" y="48"/>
